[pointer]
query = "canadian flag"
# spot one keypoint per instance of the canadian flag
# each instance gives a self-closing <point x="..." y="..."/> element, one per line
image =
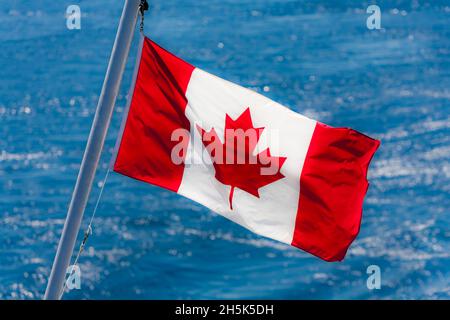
<point x="244" y="156"/>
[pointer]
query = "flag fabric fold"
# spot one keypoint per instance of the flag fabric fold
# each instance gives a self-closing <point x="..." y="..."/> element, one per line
<point x="244" y="156"/>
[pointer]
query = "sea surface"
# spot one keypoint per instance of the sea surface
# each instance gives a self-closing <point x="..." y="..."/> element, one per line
<point x="317" y="57"/>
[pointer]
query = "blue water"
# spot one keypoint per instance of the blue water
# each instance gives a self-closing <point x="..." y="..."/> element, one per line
<point x="316" y="57"/>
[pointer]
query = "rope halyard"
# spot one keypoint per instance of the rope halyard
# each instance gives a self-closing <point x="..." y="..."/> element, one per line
<point x="87" y="232"/>
<point x="143" y="6"/>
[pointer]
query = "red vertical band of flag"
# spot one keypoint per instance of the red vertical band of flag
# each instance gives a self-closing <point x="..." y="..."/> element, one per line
<point x="333" y="184"/>
<point x="156" y="110"/>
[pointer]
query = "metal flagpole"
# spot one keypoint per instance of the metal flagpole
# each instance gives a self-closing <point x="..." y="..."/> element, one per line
<point x="94" y="147"/>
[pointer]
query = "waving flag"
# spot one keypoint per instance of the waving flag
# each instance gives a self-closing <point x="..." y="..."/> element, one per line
<point x="244" y="156"/>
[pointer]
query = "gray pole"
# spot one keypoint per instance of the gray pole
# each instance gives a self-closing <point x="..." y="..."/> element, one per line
<point x="94" y="147"/>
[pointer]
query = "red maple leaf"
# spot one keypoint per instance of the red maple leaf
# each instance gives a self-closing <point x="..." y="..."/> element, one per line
<point x="234" y="161"/>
